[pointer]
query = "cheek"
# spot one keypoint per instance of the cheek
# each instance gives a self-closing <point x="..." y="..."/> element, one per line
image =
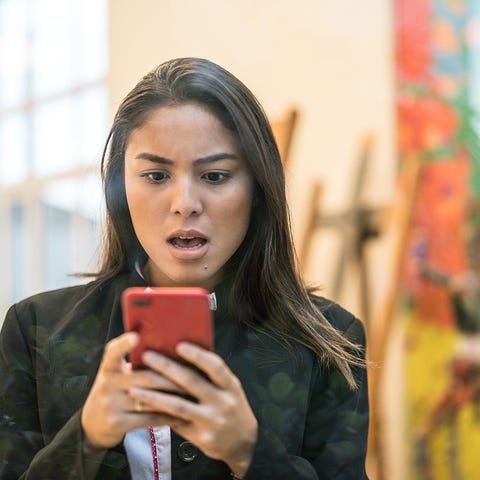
<point x="235" y="215"/>
<point x="139" y="205"/>
<point x="134" y="201"/>
<point x="132" y="194"/>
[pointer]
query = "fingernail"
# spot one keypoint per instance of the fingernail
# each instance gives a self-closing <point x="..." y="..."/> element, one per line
<point x="149" y="356"/>
<point x="184" y="347"/>
<point x="134" y="337"/>
<point x="134" y="391"/>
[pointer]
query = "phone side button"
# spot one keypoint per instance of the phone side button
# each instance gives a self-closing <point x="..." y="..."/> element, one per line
<point x="187" y="452"/>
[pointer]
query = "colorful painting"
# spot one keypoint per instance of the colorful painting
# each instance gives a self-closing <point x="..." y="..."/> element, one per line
<point x="438" y="84"/>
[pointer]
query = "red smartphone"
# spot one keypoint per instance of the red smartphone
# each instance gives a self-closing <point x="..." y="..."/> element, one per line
<point x="165" y="316"/>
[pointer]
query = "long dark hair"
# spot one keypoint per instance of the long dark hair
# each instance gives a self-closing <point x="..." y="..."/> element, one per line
<point x="266" y="291"/>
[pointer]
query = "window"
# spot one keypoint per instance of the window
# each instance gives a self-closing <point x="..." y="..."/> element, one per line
<point x="54" y="115"/>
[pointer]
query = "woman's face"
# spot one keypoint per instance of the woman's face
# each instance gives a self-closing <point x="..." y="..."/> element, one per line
<point x="189" y="192"/>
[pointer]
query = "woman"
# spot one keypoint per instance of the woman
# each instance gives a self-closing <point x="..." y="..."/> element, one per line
<point x="195" y="197"/>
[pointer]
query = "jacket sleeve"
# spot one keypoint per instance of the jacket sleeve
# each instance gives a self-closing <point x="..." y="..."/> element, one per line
<point x="25" y="453"/>
<point x="336" y="430"/>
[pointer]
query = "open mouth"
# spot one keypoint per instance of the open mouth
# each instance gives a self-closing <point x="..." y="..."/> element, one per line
<point x="187" y="242"/>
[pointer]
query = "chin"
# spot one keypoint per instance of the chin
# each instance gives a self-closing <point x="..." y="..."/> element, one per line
<point x="188" y="275"/>
<point x="190" y="280"/>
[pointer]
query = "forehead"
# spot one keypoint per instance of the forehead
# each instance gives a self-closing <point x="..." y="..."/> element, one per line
<point x="173" y="124"/>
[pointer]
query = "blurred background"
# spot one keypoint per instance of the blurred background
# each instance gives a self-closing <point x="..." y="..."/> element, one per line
<point x="383" y="173"/>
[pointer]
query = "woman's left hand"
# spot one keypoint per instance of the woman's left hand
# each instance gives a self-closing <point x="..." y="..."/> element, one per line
<point x="222" y="423"/>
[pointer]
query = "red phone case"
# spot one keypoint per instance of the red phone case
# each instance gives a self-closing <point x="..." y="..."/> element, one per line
<point x="166" y="316"/>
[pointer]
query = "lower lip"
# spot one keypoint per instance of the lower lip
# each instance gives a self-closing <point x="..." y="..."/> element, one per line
<point x="188" y="253"/>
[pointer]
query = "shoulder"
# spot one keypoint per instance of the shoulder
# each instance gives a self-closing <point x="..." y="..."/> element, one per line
<point x="62" y="298"/>
<point x="340" y="318"/>
<point x="48" y="306"/>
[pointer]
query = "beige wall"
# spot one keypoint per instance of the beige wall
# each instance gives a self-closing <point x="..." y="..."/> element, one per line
<point x="330" y="58"/>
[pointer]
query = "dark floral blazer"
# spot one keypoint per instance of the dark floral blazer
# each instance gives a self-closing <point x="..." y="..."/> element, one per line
<point x="311" y="424"/>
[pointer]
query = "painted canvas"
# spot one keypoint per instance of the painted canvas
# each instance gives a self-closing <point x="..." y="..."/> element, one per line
<point x="438" y="84"/>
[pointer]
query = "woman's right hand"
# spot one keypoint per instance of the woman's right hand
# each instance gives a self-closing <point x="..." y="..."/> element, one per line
<point x="109" y="411"/>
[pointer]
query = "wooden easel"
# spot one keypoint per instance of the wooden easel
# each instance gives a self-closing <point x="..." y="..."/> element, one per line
<point x="380" y="330"/>
<point x="283" y="128"/>
<point x="358" y="223"/>
<point x="365" y="223"/>
<point x="311" y="224"/>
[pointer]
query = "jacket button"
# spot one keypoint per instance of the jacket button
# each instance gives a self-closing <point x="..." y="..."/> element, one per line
<point x="187" y="452"/>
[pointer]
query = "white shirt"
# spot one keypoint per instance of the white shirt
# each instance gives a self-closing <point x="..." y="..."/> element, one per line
<point x="138" y="446"/>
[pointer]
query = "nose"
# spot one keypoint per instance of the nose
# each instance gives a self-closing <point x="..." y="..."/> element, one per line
<point x="185" y="199"/>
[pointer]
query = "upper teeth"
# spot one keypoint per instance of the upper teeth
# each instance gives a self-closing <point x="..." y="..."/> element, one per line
<point x="185" y="238"/>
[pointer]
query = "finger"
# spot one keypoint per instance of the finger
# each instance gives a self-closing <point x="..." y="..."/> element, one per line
<point x="145" y="378"/>
<point x="126" y="367"/>
<point x="153" y="380"/>
<point x="126" y="404"/>
<point x="151" y="419"/>
<point x="116" y="349"/>
<point x="210" y="363"/>
<point x="185" y="377"/>
<point x="167" y="404"/>
<point x="123" y="404"/>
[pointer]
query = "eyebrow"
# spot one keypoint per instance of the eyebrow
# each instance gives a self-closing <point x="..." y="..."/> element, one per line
<point x="199" y="161"/>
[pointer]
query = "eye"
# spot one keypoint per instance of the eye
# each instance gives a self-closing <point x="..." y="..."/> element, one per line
<point x="216" y="177"/>
<point x="155" y="177"/>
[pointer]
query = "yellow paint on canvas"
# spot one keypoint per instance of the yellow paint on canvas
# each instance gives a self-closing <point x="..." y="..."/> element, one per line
<point x="429" y="348"/>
